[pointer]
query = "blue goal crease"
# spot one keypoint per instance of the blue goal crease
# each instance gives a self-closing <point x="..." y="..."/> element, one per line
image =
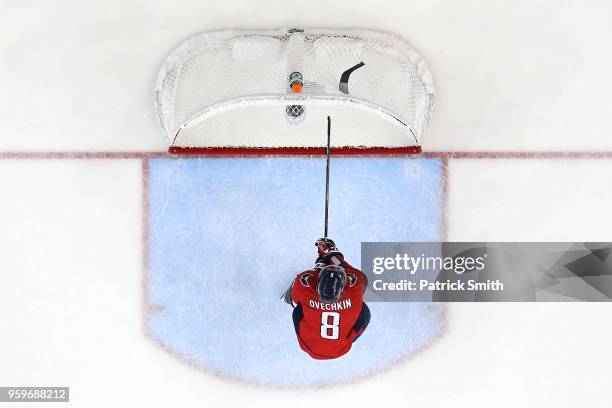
<point x="227" y="236"/>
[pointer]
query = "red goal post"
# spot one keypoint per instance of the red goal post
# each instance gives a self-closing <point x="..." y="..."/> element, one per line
<point x="229" y="92"/>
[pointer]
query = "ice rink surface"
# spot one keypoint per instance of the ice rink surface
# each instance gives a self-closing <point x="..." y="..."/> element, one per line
<point x="228" y="236"/>
<point x="520" y="133"/>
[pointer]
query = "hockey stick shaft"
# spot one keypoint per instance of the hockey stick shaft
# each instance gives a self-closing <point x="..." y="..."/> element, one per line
<point x="327" y="175"/>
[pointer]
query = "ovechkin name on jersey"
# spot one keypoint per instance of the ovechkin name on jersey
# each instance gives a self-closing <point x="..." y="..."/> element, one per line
<point x="345" y="304"/>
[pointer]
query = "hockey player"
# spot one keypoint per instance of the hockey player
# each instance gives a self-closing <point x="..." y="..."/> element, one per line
<point x="329" y="313"/>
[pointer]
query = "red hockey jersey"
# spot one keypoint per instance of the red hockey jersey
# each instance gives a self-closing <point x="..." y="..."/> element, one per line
<point x="325" y="330"/>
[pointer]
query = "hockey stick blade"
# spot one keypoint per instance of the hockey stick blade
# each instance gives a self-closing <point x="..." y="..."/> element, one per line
<point x="345" y="77"/>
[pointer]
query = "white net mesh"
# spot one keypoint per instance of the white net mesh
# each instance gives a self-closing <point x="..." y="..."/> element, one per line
<point x="231" y="89"/>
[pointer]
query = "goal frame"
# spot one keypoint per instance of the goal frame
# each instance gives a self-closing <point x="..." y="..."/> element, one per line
<point x="411" y="148"/>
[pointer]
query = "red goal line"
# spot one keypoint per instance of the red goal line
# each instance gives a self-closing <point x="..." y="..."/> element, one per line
<point x="232" y="152"/>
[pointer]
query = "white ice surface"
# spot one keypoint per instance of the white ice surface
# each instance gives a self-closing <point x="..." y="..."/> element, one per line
<point x="72" y="295"/>
<point x="530" y="200"/>
<point x="518" y="75"/>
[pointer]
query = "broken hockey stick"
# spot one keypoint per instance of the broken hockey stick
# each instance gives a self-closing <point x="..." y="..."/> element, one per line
<point x="343" y="86"/>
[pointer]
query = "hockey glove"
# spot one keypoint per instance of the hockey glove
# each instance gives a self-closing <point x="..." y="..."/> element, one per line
<point x="327" y="249"/>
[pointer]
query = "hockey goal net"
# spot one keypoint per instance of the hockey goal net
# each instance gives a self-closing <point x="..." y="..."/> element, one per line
<point x="231" y="92"/>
